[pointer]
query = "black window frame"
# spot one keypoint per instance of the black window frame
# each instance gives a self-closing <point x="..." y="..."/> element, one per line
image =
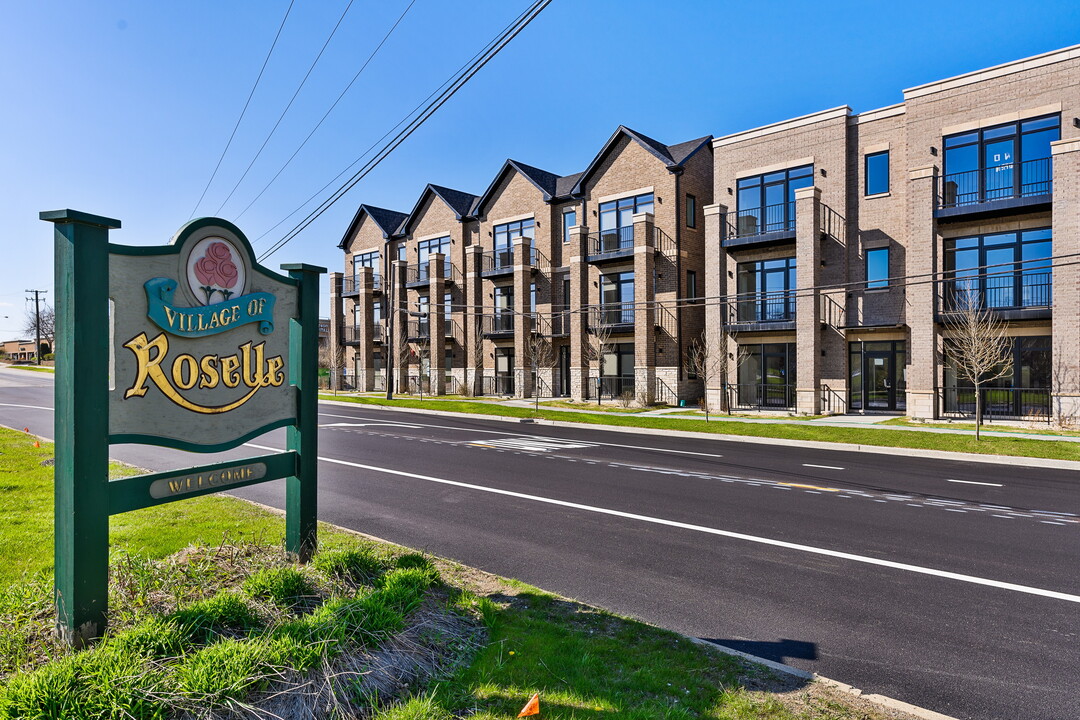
<point x="761" y="304"/>
<point x="879" y="283"/>
<point x="867" y="191"/>
<point x="783" y="220"/>
<point x="692" y="287"/>
<point x="566" y="228"/>
<point x="1029" y="282"/>
<point x="691" y="211"/>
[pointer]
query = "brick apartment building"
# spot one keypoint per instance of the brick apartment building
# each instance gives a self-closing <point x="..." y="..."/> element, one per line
<point x="843" y="242"/>
<point x="544" y="284"/>
<point x="825" y="254"/>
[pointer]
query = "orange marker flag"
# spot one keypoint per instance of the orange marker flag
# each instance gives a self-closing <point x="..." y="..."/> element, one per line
<point x="532" y="707"/>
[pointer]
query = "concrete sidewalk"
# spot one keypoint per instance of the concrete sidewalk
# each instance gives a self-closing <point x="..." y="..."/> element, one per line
<point x="871" y="422"/>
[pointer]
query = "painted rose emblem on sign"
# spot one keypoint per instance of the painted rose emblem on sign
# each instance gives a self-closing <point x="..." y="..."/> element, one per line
<point x="214" y="268"/>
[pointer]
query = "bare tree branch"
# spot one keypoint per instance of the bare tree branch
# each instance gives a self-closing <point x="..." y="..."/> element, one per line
<point x="978" y="348"/>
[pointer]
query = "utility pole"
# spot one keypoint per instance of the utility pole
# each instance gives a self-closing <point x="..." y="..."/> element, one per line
<point x="37" y="322"/>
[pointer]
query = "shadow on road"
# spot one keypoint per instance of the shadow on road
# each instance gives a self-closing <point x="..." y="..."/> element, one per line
<point x="778" y="651"/>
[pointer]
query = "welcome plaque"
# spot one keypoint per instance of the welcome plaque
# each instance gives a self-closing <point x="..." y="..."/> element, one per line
<point x="191" y="345"/>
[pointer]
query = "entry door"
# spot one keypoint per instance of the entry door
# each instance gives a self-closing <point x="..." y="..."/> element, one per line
<point x="880" y="382"/>
<point x="564" y="370"/>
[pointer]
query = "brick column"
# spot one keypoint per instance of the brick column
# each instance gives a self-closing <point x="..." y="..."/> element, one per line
<point x="438" y="271"/>
<point x="644" y="307"/>
<point x="523" y="325"/>
<point x="365" y="329"/>
<point x="1065" y="372"/>
<point x="399" y="309"/>
<point x="807" y="303"/>
<point x="335" y="343"/>
<point x="576" y="251"/>
<point x="921" y="308"/>
<point x="715" y="309"/>
<point x="471" y="339"/>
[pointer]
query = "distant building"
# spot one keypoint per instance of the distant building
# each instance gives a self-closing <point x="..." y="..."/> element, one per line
<point x="18" y="349"/>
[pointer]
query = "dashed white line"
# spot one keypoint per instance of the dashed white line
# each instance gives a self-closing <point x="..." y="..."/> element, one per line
<point x="823" y="467"/>
<point x="973" y="482"/>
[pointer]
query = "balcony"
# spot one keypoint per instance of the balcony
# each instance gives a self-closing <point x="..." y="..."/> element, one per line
<point x="419" y="275"/>
<point x="418" y="330"/>
<point x="761" y="396"/>
<point x="350" y="286"/>
<point x="495" y="263"/>
<point x="758" y="226"/>
<point x="1014" y="296"/>
<point x="612" y="318"/>
<point x="998" y="403"/>
<point x="615" y="386"/>
<point x="500" y="384"/>
<point x="498" y="325"/>
<point x="614" y="244"/>
<point x="758" y="312"/>
<point x="995" y="191"/>
<point x="556" y="324"/>
<point x="352" y="334"/>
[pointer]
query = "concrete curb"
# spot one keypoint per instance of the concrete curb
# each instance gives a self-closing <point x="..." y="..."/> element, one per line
<point x="882" y="700"/>
<point x="812" y="444"/>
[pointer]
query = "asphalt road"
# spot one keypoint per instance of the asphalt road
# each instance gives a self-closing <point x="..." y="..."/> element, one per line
<point x="949" y="585"/>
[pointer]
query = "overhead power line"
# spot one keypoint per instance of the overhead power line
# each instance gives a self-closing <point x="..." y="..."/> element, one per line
<point x="330" y="110"/>
<point x="494" y="48"/>
<point x="286" y="110"/>
<point x="244" y="111"/>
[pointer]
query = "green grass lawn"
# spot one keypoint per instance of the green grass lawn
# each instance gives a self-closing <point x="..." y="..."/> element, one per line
<point x="996" y="427"/>
<point x="607" y="407"/>
<point x="34" y="368"/>
<point x="1019" y="446"/>
<point x="228" y="621"/>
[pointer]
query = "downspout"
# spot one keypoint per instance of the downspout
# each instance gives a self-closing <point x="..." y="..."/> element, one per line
<point x="678" y="275"/>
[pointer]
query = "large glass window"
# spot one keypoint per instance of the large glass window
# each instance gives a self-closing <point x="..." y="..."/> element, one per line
<point x="877" y="268"/>
<point x="766" y="203"/>
<point x="1023" y="391"/>
<point x="877" y="173"/>
<point x="402" y="251"/>
<point x="569" y="220"/>
<point x="617" y="369"/>
<point x="504" y="371"/>
<point x="877" y="375"/>
<point x="691" y="211"/>
<point x="1003" y="161"/>
<point x="766" y="290"/>
<point x="504" y="240"/>
<point x="766" y="376"/>
<point x="1002" y="270"/>
<point x="427" y="248"/>
<point x="617" y="296"/>
<point x="617" y="221"/>
<point x="504" y="308"/>
<point x="370" y="259"/>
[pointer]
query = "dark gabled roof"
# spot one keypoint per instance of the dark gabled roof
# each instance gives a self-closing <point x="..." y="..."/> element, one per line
<point x="564" y="186"/>
<point x="542" y="180"/>
<point x="673" y="156"/>
<point x="388" y="221"/>
<point x="460" y="202"/>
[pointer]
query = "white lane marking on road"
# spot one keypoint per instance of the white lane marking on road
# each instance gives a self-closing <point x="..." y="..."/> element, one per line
<point x="972" y="579"/>
<point x="503" y="432"/>
<point x="1051" y="522"/>
<point x="1004" y="517"/>
<point x="973" y="482"/>
<point x="532" y="444"/>
<point x="28" y="407"/>
<point x="395" y="425"/>
<point x="823" y="467"/>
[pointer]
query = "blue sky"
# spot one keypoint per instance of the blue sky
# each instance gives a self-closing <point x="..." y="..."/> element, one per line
<point x="121" y="108"/>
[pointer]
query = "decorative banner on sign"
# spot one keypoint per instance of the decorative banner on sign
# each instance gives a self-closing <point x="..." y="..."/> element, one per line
<point x="209" y="319"/>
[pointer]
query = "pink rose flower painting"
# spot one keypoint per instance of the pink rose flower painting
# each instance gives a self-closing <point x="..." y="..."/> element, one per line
<point x="216" y="271"/>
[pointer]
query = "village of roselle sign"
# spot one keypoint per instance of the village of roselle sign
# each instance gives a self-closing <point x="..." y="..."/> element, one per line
<point x="191" y="345"/>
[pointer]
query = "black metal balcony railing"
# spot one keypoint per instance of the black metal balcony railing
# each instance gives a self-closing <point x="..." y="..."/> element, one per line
<point x="1002" y="403"/>
<point x="419" y="329"/>
<point x="351" y="285"/>
<point x="552" y="324"/>
<point x="1016" y="180"/>
<point x="502" y="260"/>
<point x="422" y="272"/>
<point x="761" y="220"/>
<point x="501" y="384"/>
<point x="614" y="386"/>
<point x="1002" y="291"/>
<point x="761" y="396"/>
<point x="612" y="241"/>
<point x="498" y="323"/>
<point x="610" y="314"/>
<point x="763" y="307"/>
<point x="352" y="333"/>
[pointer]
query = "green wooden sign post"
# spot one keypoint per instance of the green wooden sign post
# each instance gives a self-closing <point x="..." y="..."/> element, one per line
<point x="191" y="345"/>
